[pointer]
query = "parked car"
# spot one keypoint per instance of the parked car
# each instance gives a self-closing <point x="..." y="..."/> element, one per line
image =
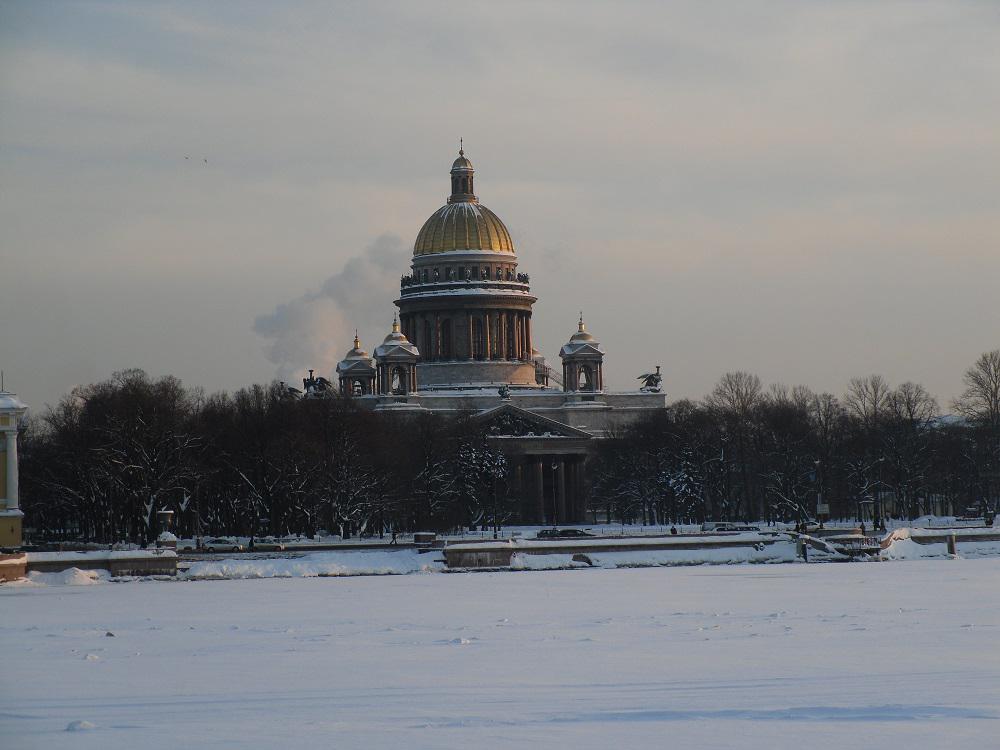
<point x="267" y="544"/>
<point x="562" y="534"/>
<point x="221" y="544"/>
<point x="712" y="526"/>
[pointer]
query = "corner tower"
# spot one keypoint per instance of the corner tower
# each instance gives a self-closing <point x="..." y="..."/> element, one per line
<point x="464" y="304"/>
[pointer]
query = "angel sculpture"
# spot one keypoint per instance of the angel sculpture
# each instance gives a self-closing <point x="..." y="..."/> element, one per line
<point x="651" y="381"/>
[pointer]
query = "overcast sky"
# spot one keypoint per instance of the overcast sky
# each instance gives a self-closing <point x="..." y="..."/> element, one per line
<point x="221" y="191"/>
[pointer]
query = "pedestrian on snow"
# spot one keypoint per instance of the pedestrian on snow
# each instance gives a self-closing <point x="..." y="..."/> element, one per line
<point x="673" y="530"/>
<point x="393" y="540"/>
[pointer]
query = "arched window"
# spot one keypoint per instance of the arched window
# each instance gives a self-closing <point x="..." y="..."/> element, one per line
<point x="485" y="274"/>
<point x="356" y="388"/>
<point x="586" y="381"/>
<point x="499" y="274"/>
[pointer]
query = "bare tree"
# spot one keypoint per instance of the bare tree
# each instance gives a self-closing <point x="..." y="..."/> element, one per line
<point x="980" y="401"/>
<point x="867" y="399"/>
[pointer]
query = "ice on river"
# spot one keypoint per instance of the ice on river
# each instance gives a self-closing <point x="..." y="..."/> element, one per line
<point x="901" y="654"/>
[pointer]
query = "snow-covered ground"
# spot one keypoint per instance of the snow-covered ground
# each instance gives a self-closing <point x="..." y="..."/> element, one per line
<point x="900" y="655"/>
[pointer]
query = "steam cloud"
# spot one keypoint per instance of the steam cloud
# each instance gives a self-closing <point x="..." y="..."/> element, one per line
<point x="316" y="329"/>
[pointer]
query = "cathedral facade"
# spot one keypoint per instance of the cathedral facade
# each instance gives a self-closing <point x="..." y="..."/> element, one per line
<point x="462" y="344"/>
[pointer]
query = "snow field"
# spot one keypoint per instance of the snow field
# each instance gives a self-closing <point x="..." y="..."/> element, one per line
<point x="750" y="656"/>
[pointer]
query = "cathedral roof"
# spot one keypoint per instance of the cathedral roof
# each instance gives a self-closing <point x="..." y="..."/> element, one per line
<point x="396" y="346"/>
<point x="581" y="342"/>
<point x="463" y="226"/>
<point x="464" y="223"/>
<point x="357" y="358"/>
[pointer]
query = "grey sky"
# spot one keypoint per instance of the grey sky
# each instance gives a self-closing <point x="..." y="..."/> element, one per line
<point x="806" y="190"/>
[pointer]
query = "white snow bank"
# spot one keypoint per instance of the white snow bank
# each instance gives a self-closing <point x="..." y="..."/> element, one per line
<point x="783" y="551"/>
<point x="69" y="577"/>
<point x="908" y="549"/>
<point x="319" y="564"/>
<point x="43" y="557"/>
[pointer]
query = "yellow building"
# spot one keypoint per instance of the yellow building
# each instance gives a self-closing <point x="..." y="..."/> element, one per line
<point x="12" y="411"/>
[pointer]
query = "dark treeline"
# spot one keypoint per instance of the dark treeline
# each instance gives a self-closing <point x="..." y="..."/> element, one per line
<point x="262" y="460"/>
<point x="756" y="454"/>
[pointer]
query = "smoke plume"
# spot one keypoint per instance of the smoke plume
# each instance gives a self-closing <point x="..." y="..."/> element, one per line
<point x="316" y="329"/>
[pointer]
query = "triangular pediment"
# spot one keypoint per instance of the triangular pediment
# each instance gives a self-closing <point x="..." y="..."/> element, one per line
<point x="576" y="350"/>
<point x="508" y="420"/>
<point x="358" y="365"/>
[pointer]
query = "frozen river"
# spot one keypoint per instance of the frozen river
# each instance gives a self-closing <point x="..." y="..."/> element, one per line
<point x="898" y="655"/>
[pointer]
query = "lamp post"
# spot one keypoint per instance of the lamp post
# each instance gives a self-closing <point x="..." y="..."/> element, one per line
<point x="821" y="509"/>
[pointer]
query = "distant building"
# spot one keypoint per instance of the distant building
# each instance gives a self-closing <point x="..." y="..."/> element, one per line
<point x="463" y="344"/>
<point x="12" y="411"/>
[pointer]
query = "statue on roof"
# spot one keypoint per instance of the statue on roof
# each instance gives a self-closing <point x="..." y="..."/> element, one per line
<point x="651" y="381"/>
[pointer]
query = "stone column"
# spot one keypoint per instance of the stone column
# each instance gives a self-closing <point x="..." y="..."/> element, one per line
<point x="437" y="337"/>
<point x="561" y="490"/>
<point x="539" y="488"/>
<point x="495" y="351"/>
<point x="501" y="334"/>
<point x="13" y="502"/>
<point x="468" y="326"/>
<point x="517" y="336"/>
<point x="487" y="337"/>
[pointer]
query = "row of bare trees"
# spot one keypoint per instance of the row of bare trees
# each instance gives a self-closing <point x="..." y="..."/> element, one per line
<point x="750" y="453"/>
<point x="99" y="465"/>
<point x="262" y="460"/>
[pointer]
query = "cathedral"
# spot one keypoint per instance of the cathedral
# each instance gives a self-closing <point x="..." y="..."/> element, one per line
<point x="462" y="344"/>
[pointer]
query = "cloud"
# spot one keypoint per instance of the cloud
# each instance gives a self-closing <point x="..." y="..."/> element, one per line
<point x="316" y="329"/>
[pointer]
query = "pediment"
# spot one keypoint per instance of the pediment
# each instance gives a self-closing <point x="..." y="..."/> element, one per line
<point x="508" y="420"/>
<point x="576" y="350"/>
<point x="355" y="366"/>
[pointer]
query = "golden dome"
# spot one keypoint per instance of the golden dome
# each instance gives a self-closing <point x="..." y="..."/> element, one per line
<point x="463" y="226"/>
